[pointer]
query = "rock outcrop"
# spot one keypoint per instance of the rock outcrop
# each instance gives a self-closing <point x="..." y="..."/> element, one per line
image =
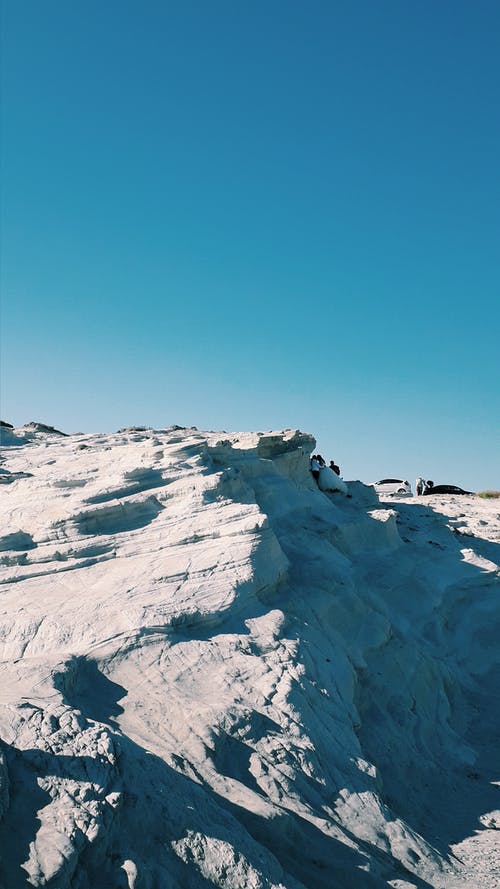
<point x="214" y="674"/>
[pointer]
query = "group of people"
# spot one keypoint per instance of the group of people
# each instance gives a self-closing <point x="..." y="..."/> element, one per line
<point x="326" y="477"/>
<point x="317" y="464"/>
<point x="422" y="486"/>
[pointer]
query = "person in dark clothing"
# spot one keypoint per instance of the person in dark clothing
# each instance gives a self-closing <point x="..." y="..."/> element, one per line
<point x="334" y="466"/>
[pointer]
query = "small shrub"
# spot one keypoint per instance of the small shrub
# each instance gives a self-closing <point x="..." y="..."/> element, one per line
<point x="489" y="495"/>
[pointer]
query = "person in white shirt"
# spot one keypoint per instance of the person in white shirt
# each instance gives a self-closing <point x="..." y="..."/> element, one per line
<point x="315" y="466"/>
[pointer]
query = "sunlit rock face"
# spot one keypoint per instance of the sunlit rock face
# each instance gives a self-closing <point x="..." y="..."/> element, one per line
<point x="215" y="674"/>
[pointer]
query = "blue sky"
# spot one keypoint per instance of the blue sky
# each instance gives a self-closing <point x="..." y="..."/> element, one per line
<point x="255" y="215"/>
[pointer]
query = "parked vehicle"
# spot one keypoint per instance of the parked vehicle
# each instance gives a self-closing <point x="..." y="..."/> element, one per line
<point x="392" y="486"/>
<point x="446" y="489"/>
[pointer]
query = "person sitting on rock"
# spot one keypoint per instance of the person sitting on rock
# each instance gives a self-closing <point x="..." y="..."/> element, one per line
<point x="334" y="466"/>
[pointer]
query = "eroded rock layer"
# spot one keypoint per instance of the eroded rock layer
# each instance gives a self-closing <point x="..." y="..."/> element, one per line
<point x="214" y="674"/>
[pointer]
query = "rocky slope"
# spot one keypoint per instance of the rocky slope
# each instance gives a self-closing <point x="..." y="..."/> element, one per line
<point x="214" y="674"/>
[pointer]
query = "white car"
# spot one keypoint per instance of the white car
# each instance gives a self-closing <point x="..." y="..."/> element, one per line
<point x="392" y="486"/>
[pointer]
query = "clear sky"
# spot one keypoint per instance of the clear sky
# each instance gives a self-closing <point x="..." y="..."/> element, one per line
<point x="255" y="215"/>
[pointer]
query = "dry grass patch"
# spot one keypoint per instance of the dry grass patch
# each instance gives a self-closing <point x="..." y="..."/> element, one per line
<point x="489" y="495"/>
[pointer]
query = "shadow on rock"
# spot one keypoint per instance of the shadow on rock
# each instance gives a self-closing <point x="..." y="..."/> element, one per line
<point x="85" y="688"/>
<point x="432" y="732"/>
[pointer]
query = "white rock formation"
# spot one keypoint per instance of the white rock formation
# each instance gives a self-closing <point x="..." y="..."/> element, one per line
<point x="214" y="674"/>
